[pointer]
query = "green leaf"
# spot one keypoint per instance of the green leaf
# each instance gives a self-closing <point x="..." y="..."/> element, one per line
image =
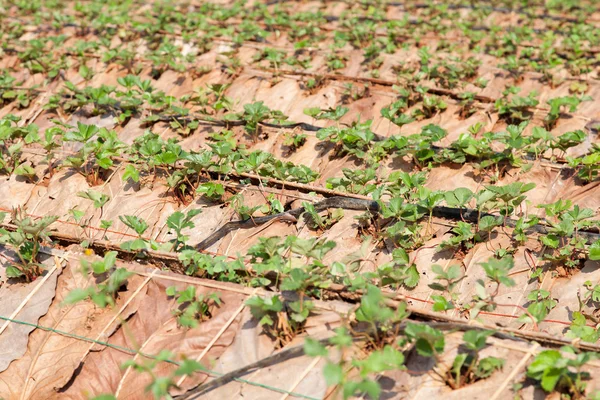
<point x="98" y="198"/>
<point x="412" y="276"/>
<point x="546" y="368"/>
<point x="188" y="367"/>
<point x="333" y="373"/>
<point x="381" y="360"/>
<point x="131" y="173"/>
<point x="134" y="245"/>
<point x="428" y="341"/>
<point x="370" y="387"/>
<point x="313" y="348"/>
<point x="551" y="241"/>
<point x="401" y="255"/>
<point x="441" y="304"/>
<point x="24" y="170"/>
<point x="550" y="378"/>
<point x="13" y="272"/>
<point x="475" y="339"/>
<point x="341" y="339"/>
<point x="84" y="71"/>
<point x="498" y="270"/>
<point x="458" y="197"/>
<point x="312" y="111"/>
<point x="487" y="366"/>
<point x="106" y="264"/>
<point x="595" y="251"/>
<point x="189" y="294"/>
<point x="104" y="224"/>
<point x="458" y="362"/>
<point x="135" y="223"/>
<point x="77" y="214"/>
<point x="488" y="222"/>
<point x="77" y="295"/>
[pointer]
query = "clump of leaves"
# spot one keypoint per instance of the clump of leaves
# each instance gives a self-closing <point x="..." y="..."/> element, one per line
<point x="463" y="236"/>
<point x="541" y="303"/>
<point x="95" y="157"/>
<point x="379" y="317"/>
<point x="428" y="341"/>
<point x="316" y="221"/>
<point x="432" y="105"/>
<point x="139" y="226"/>
<point x="193" y="307"/>
<point x="178" y="221"/>
<point x="99" y="199"/>
<point x="26" y="240"/>
<point x="557" y="103"/>
<point x="557" y="372"/>
<point x="293" y="141"/>
<point x="400" y="271"/>
<point x="159" y="386"/>
<point x="256" y="113"/>
<point x="563" y="233"/>
<point x="357" y="140"/>
<point x="498" y="272"/>
<point x="12" y="139"/>
<point x="394" y="113"/>
<point x="467" y="101"/>
<point x="272" y="316"/>
<point x="359" y="181"/>
<point x="446" y="281"/>
<point x="588" y="166"/>
<point x="513" y="108"/>
<point x="332" y="114"/>
<point x="468" y="367"/>
<point x="388" y="358"/>
<point x="112" y="280"/>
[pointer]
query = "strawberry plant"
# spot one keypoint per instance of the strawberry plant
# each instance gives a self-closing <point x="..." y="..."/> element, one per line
<point x="394" y="113"/>
<point x="496" y="271"/>
<point x="588" y="167"/>
<point x="354" y="181"/>
<point x="315" y="219"/>
<point x="95" y="157"/>
<point x="428" y="341"/>
<point x="381" y="319"/>
<point x="540" y="305"/>
<point x="256" y="113"/>
<point x="139" y="226"/>
<point x="380" y="360"/>
<point x="398" y="272"/>
<point x="178" y="221"/>
<point x="559" y="373"/>
<point x="160" y="386"/>
<point x="212" y="191"/>
<point x="193" y="307"/>
<point x="513" y="108"/>
<point x="293" y="141"/>
<point x="571" y="102"/>
<point x="272" y="316"/>
<point x="468" y="367"/>
<point x="110" y="281"/>
<point x="26" y="240"/>
<point x="99" y="199"/>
